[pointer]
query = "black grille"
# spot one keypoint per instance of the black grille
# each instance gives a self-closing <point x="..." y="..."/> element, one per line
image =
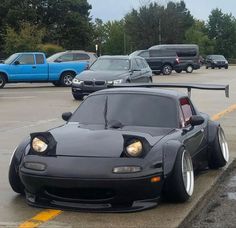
<point x="99" y="83"/>
<point x="88" y="83"/>
<point x="81" y="193"/>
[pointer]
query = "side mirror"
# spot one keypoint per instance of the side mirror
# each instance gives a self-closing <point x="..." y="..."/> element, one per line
<point x="16" y="62"/>
<point x="66" y="116"/>
<point x="196" y="120"/>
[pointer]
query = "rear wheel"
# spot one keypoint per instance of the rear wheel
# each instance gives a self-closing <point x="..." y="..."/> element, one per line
<point x="67" y="78"/>
<point x="2" y="81"/>
<point x="189" y="69"/>
<point x="219" y="151"/>
<point x="206" y="67"/>
<point x="212" y="67"/>
<point x="14" y="178"/>
<point x="226" y="67"/>
<point x="180" y="185"/>
<point x="167" y="69"/>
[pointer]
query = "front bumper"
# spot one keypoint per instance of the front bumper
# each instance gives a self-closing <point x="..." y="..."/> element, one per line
<point x="112" y="193"/>
<point x="86" y="90"/>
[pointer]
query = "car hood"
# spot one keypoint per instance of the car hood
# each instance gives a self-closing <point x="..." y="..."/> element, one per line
<point x="101" y="75"/>
<point x="73" y="140"/>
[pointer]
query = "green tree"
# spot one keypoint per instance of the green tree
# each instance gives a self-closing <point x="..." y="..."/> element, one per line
<point x="66" y="22"/>
<point x="222" y="29"/>
<point x="197" y="34"/>
<point x="26" y="39"/>
<point x="154" y="24"/>
<point x="115" y="38"/>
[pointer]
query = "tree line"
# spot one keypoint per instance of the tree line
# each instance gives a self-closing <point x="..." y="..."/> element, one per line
<point x="55" y="25"/>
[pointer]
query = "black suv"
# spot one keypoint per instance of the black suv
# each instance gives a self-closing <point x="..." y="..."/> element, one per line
<point x="159" y="62"/>
<point x="188" y="55"/>
<point x="216" y="61"/>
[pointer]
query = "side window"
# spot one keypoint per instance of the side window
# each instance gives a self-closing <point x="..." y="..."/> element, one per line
<point x="81" y="56"/>
<point x="139" y="64"/>
<point x="66" y="58"/>
<point x="39" y="59"/>
<point x="187" y="110"/>
<point x="134" y="65"/>
<point x="26" y="59"/>
<point x="144" y="54"/>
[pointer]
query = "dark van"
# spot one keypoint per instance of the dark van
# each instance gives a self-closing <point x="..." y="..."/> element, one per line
<point x="188" y="55"/>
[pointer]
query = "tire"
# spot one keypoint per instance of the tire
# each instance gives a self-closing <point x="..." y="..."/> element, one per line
<point x="219" y="151"/>
<point x="189" y="69"/>
<point x="178" y="71"/>
<point x="212" y="67"/>
<point x="206" y="67"/>
<point x="57" y="84"/>
<point x="67" y="78"/>
<point x="14" y="179"/>
<point x="226" y="67"/>
<point x="2" y="81"/>
<point x="78" y="97"/>
<point x="180" y="185"/>
<point x="167" y="69"/>
<point x="219" y="67"/>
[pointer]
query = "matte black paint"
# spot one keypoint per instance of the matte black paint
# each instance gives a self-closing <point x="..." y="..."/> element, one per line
<point x="86" y="155"/>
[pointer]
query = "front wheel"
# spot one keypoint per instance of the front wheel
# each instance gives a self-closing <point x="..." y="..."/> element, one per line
<point x="67" y="78"/>
<point x="167" y="69"/>
<point x="180" y="185"/>
<point x="189" y="69"/>
<point x="2" y="81"/>
<point x="78" y="97"/>
<point x="219" y="151"/>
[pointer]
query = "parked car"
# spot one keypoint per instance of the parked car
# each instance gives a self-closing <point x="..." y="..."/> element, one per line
<point x="121" y="150"/>
<point x="111" y="70"/>
<point x="218" y="61"/>
<point x="33" y="67"/>
<point x="159" y="62"/>
<point x="71" y="56"/>
<point x="188" y="55"/>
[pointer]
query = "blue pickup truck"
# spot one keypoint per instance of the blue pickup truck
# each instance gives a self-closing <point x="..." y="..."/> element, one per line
<point x="33" y="67"/>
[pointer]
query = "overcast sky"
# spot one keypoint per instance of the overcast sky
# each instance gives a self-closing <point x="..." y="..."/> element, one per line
<point x="116" y="9"/>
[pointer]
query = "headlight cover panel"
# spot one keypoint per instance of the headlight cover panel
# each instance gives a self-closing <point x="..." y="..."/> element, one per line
<point x="47" y="138"/>
<point x="129" y="139"/>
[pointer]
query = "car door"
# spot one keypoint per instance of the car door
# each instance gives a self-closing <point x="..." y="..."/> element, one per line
<point x="193" y="137"/>
<point x="136" y="73"/>
<point x="23" y="68"/>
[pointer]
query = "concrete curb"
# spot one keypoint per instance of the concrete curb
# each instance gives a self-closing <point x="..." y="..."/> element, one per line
<point x="206" y="195"/>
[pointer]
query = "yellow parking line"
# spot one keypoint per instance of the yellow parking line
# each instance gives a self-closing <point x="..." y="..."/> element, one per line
<point x="40" y="218"/>
<point x="225" y="112"/>
<point x="47" y="214"/>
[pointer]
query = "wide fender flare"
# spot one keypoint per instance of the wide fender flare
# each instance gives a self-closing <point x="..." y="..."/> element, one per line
<point x="19" y="153"/>
<point x="212" y="133"/>
<point x="170" y="151"/>
<point x="212" y="130"/>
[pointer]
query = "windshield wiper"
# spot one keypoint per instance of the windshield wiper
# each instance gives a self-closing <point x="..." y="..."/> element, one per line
<point x="105" y="113"/>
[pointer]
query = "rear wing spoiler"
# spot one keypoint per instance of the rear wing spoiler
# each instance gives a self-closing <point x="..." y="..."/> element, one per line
<point x="188" y="86"/>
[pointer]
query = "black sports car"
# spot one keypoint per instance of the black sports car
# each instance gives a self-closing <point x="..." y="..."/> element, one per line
<point x="121" y="150"/>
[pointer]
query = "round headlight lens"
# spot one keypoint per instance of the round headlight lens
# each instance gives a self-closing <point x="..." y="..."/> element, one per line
<point x="39" y="145"/>
<point x="135" y="148"/>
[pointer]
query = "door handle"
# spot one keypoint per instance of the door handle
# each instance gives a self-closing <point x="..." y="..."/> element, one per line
<point x="33" y="66"/>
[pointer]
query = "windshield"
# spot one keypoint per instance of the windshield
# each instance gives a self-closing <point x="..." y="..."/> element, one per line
<point x="113" y="64"/>
<point x="217" y="57"/>
<point x="128" y="109"/>
<point x="10" y="59"/>
<point x="52" y="58"/>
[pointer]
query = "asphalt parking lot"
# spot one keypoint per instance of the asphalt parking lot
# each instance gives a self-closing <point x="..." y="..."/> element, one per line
<point x="28" y="108"/>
